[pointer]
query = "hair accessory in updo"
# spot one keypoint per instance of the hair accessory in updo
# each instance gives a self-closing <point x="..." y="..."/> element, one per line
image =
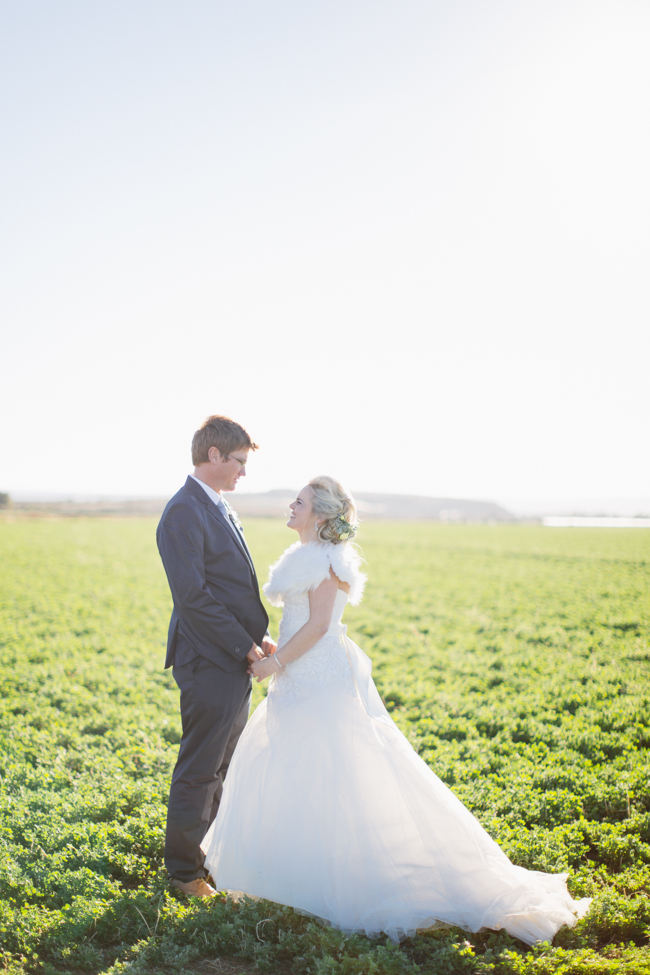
<point x="343" y="528"/>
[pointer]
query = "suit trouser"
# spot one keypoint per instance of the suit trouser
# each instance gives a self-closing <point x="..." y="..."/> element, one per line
<point x="214" y="710"/>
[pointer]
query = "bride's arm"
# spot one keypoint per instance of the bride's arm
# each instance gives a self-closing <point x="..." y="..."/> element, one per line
<point x="321" y="604"/>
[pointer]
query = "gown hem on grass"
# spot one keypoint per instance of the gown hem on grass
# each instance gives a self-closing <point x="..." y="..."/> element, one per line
<point x="328" y="809"/>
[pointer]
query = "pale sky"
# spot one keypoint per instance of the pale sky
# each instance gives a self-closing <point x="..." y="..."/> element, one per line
<point x="404" y="243"/>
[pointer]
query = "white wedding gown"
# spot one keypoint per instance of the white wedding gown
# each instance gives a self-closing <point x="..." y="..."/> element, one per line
<point x="327" y="808"/>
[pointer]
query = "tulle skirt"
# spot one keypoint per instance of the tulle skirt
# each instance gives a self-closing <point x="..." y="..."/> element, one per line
<point x="328" y="809"/>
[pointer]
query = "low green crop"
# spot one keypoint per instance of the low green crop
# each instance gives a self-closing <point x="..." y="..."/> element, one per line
<point x="515" y="659"/>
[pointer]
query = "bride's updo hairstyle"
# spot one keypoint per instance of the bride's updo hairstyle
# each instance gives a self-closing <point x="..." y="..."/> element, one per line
<point x="331" y="502"/>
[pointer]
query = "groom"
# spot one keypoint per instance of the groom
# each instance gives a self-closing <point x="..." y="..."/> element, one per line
<point x="218" y="628"/>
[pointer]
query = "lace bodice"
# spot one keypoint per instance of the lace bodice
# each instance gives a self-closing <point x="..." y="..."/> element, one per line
<point x="326" y="662"/>
<point x="301" y="569"/>
<point x="296" y="614"/>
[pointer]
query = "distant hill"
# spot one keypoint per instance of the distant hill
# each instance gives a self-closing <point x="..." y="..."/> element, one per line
<point x="275" y="504"/>
<point x="388" y="506"/>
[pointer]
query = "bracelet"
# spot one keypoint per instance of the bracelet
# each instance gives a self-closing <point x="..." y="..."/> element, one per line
<point x="278" y="661"/>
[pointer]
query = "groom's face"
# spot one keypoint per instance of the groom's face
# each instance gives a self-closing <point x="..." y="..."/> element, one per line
<point x="227" y="470"/>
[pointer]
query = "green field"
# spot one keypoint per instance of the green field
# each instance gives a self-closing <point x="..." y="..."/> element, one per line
<point x="515" y="658"/>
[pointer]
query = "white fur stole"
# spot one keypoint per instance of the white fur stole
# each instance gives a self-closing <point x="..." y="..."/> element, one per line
<point x="304" y="567"/>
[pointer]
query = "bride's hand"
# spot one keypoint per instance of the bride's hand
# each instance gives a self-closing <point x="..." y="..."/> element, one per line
<point x="269" y="646"/>
<point x="264" y="668"/>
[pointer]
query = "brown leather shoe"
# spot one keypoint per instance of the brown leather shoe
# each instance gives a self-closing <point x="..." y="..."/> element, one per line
<point x="194" y="888"/>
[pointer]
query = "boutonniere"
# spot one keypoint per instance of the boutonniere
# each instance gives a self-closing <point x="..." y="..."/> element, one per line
<point x="235" y="520"/>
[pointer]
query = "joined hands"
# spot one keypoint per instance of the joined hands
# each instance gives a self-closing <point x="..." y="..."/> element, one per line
<point x="264" y="668"/>
<point x="261" y="663"/>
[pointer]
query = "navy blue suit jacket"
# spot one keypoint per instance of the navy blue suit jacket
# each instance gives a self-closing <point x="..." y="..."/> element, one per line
<point x="217" y="611"/>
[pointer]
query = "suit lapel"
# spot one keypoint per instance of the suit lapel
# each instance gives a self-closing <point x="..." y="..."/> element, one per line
<point x="234" y="531"/>
<point x="239" y="534"/>
<point x="222" y="520"/>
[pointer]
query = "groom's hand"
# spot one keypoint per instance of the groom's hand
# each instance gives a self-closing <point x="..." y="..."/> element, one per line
<point x="255" y="653"/>
<point x="269" y="646"/>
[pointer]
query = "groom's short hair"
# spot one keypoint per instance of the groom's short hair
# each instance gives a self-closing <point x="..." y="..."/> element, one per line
<point x="220" y="432"/>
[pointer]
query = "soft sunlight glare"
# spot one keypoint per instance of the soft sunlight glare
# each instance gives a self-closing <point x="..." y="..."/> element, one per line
<point x="407" y="245"/>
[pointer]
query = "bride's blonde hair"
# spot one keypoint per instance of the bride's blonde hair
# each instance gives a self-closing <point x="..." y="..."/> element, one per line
<point x="332" y="502"/>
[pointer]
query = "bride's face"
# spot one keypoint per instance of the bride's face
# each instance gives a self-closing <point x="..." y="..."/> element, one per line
<point x="302" y="517"/>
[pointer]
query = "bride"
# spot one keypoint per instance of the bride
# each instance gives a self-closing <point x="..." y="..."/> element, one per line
<point x="326" y="807"/>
